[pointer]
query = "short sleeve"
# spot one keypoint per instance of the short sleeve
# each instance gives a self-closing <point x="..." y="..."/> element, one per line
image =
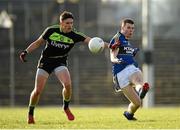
<point x="45" y="34"/>
<point x="80" y="37"/>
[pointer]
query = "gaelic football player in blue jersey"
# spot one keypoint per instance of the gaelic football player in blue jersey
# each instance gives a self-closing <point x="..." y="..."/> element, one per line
<point x="127" y="77"/>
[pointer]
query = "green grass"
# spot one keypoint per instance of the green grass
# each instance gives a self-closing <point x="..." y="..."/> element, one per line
<point x="91" y="118"/>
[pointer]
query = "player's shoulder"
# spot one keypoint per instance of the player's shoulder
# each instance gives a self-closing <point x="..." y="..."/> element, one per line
<point x="52" y="27"/>
<point x="78" y="32"/>
<point x="115" y="37"/>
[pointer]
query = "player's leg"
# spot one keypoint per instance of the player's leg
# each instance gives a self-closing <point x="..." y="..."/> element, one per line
<point x="128" y="90"/>
<point x="63" y="75"/>
<point x="40" y="80"/>
<point x="134" y="99"/>
<point x="137" y="79"/>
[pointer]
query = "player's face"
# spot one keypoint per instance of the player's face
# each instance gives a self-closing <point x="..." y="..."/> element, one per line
<point x="127" y="30"/>
<point x="66" y="25"/>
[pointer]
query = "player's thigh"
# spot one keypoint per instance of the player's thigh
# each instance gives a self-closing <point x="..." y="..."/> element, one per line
<point x="136" y="78"/>
<point x="63" y="75"/>
<point x="132" y="96"/>
<point x="41" y="78"/>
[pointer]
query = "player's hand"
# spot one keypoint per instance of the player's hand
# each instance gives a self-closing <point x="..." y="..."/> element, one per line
<point x="135" y="51"/>
<point x="23" y="55"/>
<point x="115" y="45"/>
<point x="121" y="61"/>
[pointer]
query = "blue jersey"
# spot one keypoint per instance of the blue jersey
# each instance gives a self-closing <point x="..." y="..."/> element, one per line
<point x="126" y="53"/>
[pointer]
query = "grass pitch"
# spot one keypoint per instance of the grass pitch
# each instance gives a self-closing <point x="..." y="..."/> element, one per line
<point x="91" y="118"/>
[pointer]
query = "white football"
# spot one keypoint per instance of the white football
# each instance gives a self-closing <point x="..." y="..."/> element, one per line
<point x="96" y="45"/>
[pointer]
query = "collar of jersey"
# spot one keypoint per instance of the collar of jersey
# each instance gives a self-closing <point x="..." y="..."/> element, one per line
<point x="122" y="35"/>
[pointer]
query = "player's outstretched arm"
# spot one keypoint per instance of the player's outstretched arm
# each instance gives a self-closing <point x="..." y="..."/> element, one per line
<point x="34" y="45"/>
<point x="106" y="45"/>
<point x="87" y="40"/>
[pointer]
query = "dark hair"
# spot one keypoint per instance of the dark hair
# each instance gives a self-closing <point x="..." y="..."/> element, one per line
<point x="66" y="15"/>
<point x="127" y="20"/>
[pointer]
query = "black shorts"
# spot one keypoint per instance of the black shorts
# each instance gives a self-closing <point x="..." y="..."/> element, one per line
<point x="49" y="64"/>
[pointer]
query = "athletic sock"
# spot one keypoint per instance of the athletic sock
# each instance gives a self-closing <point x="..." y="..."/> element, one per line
<point x="31" y="110"/>
<point x="66" y="104"/>
<point x="144" y="90"/>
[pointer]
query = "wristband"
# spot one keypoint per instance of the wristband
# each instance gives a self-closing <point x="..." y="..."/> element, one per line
<point x="25" y="51"/>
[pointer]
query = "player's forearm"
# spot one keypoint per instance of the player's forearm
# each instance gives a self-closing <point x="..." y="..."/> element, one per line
<point x="34" y="45"/>
<point x="106" y="45"/>
<point x="114" y="59"/>
<point x="113" y="56"/>
<point x="31" y="47"/>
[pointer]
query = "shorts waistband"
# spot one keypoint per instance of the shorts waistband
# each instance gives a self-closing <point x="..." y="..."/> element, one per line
<point x="54" y="57"/>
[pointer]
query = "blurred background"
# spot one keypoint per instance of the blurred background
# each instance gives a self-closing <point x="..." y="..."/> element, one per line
<point x="157" y="34"/>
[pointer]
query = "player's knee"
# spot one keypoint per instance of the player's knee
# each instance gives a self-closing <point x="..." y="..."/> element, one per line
<point x="37" y="92"/>
<point x="67" y="85"/>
